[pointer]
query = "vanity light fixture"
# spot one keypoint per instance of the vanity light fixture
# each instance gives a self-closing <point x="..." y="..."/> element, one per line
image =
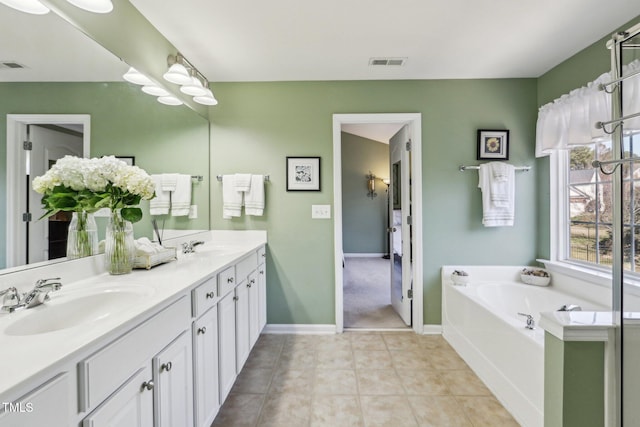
<point x="207" y="99"/>
<point x="195" y="88"/>
<point x="177" y="72"/>
<point x="197" y="84"/>
<point x="28" y="6"/>
<point x="155" y="90"/>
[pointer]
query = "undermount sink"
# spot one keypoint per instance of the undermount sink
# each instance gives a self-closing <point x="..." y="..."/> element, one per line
<point x="74" y="308"/>
<point x="219" y="250"/>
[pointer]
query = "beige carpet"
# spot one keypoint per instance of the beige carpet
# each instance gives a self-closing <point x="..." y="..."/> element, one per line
<point x="367" y="295"/>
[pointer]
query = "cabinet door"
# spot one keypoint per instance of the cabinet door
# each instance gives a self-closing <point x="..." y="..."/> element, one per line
<point x="48" y="405"/>
<point x="174" y="387"/>
<point x="205" y="369"/>
<point x="262" y="296"/>
<point x="227" y="344"/>
<point x="130" y="406"/>
<point x="254" y="311"/>
<point x="242" y="325"/>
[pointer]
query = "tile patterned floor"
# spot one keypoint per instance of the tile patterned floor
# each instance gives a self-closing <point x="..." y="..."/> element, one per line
<point x="359" y="379"/>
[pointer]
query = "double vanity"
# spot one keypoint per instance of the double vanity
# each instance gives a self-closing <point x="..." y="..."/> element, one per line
<point x="159" y="347"/>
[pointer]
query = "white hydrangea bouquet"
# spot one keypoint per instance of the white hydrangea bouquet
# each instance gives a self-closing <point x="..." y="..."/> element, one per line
<point x="79" y="184"/>
<point x="86" y="185"/>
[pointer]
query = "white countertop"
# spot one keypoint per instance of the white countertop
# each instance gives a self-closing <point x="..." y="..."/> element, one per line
<point x="31" y="356"/>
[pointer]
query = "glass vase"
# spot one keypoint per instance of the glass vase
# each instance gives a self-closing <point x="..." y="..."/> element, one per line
<point x="82" y="237"/>
<point x="119" y="244"/>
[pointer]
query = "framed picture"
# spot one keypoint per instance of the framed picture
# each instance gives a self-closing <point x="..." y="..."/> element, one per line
<point x="130" y="160"/>
<point x="303" y="173"/>
<point x="493" y="144"/>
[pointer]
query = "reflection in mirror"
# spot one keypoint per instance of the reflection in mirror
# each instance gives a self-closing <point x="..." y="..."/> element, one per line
<point x="57" y="70"/>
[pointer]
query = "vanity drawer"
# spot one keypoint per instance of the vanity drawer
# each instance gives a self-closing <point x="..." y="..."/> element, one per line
<point x="205" y="296"/>
<point x="226" y="281"/>
<point x="245" y="266"/>
<point x="262" y="255"/>
<point x="104" y="371"/>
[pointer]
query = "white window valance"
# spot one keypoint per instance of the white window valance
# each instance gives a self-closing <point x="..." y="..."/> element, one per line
<point x="571" y="119"/>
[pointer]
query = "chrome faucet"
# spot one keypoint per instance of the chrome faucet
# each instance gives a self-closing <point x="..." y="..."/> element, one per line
<point x="570" y="307"/>
<point x="531" y="324"/>
<point x="13" y="301"/>
<point x="189" y="248"/>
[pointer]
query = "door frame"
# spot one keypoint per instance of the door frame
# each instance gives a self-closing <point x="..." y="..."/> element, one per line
<point x="16" y="125"/>
<point x="414" y="120"/>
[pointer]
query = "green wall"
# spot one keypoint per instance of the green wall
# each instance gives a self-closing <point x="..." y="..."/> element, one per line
<point x="363" y="218"/>
<point x="124" y="122"/>
<point x="256" y="125"/>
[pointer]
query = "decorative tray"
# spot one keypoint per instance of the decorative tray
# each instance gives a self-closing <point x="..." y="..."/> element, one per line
<point x="151" y="260"/>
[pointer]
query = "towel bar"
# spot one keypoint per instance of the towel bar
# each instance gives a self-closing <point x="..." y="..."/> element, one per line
<point x="518" y="168"/>
<point x="266" y="178"/>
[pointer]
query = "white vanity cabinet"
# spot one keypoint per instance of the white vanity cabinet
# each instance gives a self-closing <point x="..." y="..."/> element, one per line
<point x="242" y="324"/>
<point x="205" y="352"/>
<point x="262" y="289"/>
<point x="152" y="361"/>
<point x="52" y="404"/>
<point x="227" y="343"/>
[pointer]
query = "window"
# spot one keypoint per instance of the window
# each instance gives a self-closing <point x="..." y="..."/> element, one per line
<point x="589" y="206"/>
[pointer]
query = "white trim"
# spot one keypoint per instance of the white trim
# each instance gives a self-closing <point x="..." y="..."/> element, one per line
<point x="299" y="329"/>
<point x="363" y="255"/>
<point x="415" y="121"/>
<point x="14" y="162"/>
<point x="405" y="329"/>
<point x="432" y="330"/>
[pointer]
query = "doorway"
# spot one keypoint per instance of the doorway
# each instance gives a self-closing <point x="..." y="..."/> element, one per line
<point x="406" y="260"/>
<point x="34" y="143"/>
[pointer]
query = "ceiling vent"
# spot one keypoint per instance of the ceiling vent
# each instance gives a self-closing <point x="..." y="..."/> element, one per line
<point x="10" y="65"/>
<point x="387" y="61"/>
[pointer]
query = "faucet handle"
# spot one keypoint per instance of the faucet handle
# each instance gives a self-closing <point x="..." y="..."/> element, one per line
<point x="11" y="297"/>
<point x="530" y="322"/>
<point x="44" y="283"/>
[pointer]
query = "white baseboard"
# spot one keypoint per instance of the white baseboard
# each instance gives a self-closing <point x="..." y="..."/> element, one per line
<point x="363" y="255"/>
<point x="432" y="330"/>
<point x="300" y="329"/>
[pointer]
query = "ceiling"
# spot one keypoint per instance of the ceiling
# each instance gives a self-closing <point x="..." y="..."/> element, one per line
<point x="282" y="40"/>
<point x="380" y="132"/>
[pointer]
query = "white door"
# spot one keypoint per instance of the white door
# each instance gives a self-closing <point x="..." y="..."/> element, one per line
<point x="242" y="325"/>
<point x="227" y="344"/>
<point x="48" y="145"/>
<point x="399" y="230"/>
<point x="205" y="369"/>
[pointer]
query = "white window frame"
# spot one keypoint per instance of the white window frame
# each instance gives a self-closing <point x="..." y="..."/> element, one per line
<point x="559" y="235"/>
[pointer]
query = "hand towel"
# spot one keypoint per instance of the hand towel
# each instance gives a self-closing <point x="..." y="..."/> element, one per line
<point x="181" y="197"/>
<point x="500" y="183"/>
<point x="144" y="246"/>
<point x="502" y="214"/>
<point x="254" y="198"/>
<point x="169" y="181"/>
<point x="160" y="204"/>
<point x="242" y="181"/>
<point x="231" y="198"/>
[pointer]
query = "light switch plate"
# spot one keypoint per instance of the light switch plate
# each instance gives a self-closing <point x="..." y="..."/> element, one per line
<point x="193" y="211"/>
<point x="321" y="211"/>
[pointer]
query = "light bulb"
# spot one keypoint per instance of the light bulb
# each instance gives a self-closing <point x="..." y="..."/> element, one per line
<point x="28" y="6"/>
<point x="177" y="74"/>
<point x="95" y="6"/>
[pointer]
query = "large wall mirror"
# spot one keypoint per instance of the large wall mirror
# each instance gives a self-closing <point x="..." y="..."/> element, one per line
<point x="50" y="69"/>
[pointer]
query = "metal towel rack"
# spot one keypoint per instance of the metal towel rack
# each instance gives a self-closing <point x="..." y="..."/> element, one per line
<point x="266" y="178"/>
<point x="198" y="178"/>
<point x="518" y="168"/>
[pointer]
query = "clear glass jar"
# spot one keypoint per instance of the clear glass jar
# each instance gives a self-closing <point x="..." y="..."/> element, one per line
<point x="82" y="237"/>
<point x="119" y="244"/>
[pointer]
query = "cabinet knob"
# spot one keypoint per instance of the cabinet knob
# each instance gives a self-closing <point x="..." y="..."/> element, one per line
<point x="236" y="298"/>
<point x="230" y="280"/>
<point x="261" y="271"/>
<point x="166" y="367"/>
<point x="253" y="281"/>
<point x="202" y="330"/>
<point x="210" y="295"/>
<point x="249" y="285"/>
<point x="147" y="385"/>
<point x="264" y="255"/>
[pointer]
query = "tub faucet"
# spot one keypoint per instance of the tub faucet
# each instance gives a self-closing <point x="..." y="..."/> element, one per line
<point x="189" y="248"/>
<point x="531" y="324"/>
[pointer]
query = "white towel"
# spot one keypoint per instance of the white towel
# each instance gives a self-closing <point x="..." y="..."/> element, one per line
<point x="503" y="213"/>
<point x="231" y="198"/>
<point x="144" y="246"/>
<point x="181" y="198"/>
<point x="500" y="183"/>
<point x="160" y="204"/>
<point x="242" y="181"/>
<point x="254" y="198"/>
<point x="169" y="181"/>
